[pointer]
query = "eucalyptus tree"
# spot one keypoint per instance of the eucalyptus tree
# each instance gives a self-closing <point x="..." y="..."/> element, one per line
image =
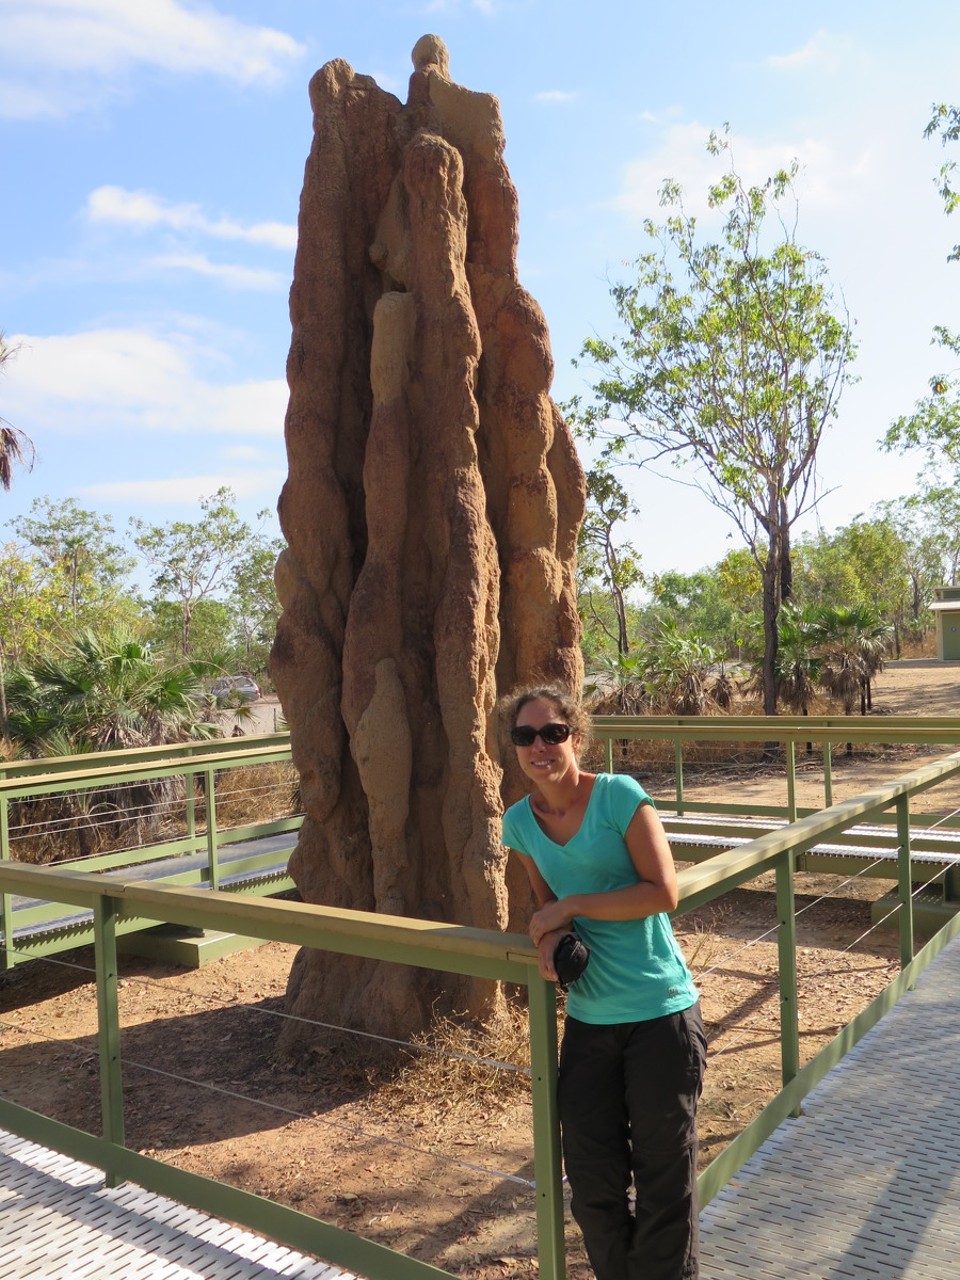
<point x="730" y="362"/>
<point x="254" y="601"/>
<point x="83" y="547"/>
<point x="934" y="424"/>
<point x="195" y="560"/>
<point x="608" y="566"/>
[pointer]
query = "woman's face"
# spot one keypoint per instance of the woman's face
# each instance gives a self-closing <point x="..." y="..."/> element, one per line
<point x="544" y="761"/>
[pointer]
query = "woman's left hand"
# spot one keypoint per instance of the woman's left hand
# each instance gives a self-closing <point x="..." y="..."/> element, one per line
<point x="551" y="916"/>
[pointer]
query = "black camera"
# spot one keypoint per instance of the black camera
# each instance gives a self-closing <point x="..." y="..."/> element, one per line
<point x="570" y="957"/>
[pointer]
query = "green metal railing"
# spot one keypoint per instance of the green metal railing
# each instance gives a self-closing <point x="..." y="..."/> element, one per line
<point x="448" y="948"/>
<point x="785" y="732"/>
<point x="85" y="775"/>
<point x="483" y="954"/>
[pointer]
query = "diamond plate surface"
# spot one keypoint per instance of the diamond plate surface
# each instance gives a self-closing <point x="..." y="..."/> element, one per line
<point x="59" y="1222"/>
<point x="865" y="1185"/>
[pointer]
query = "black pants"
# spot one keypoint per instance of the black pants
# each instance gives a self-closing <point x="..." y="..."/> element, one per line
<point x="628" y="1100"/>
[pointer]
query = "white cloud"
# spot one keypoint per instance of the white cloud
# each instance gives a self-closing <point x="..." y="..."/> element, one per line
<point x="230" y="274"/>
<point x="184" y="489"/>
<point x="556" y="96"/>
<point x="25" y="102"/>
<point x="245" y="453"/>
<point x="143" y="211"/>
<point x="53" y="47"/>
<point x="822" y="50"/>
<point x="824" y="181"/>
<point x="111" y="381"/>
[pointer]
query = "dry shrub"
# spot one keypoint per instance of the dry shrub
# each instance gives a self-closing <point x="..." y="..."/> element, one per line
<point x="257" y="793"/>
<point x="56" y="828"/>
<point x="456" y="1063"/>
<point x="82" y="824"/>
<point x="703" y="938"/>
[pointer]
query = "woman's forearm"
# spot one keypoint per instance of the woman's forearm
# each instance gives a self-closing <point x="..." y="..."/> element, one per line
<point x="633" y="902"/>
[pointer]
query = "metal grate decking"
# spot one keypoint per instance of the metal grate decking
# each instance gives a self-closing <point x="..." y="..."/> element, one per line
<point x="865" y="1185"/>
<point x="59" y="1222"/>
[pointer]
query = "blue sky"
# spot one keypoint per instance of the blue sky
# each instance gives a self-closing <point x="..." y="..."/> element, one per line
<point x="152" y="156"/>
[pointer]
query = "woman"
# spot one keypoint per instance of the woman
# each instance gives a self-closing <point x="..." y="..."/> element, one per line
<point x="634" y="1049"/>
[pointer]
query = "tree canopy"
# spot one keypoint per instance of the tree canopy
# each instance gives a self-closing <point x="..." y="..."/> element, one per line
<point x="730" y="363"/>
<point x="934" y="424"/>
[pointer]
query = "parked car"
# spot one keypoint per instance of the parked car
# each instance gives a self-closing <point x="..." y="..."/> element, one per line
<point x="231" y="687"/>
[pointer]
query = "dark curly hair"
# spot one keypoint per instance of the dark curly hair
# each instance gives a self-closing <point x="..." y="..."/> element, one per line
<point x="569" y="706"/>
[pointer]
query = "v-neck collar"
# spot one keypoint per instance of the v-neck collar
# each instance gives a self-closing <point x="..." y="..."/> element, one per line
<point x="557" y="844"/>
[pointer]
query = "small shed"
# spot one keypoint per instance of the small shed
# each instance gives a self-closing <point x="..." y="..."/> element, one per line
<point x="946" y="609"/>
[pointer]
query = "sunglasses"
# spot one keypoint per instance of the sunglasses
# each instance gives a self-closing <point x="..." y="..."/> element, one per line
<point x="524" y="735"/>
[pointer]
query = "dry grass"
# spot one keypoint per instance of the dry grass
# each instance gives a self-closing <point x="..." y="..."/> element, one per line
<point x="460" y="1064"/>
<point x="51" y="829"/>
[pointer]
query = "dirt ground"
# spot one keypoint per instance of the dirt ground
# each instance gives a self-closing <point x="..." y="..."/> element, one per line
<point x="435" y="1157"/>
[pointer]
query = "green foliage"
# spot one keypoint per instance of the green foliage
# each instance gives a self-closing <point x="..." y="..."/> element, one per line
<point x="853" y="647"/>
<point x="800" y="663"/>
<point x="16" y="448"/>
<point x="212" y="645"/>
<point x="669" y="671"/>
<point x="194" y="561"/>
<point x="254" y="602"/>
<point x="730" y="363"/>
<point x="81" y="550"/>
<point x="30" y="604"/>
<point x="945" y="123"/>
<point x="608" y="567"/>
<point x="102" y="691"/>
<point x="834" y="648"/>
<point x="934" y="425"/>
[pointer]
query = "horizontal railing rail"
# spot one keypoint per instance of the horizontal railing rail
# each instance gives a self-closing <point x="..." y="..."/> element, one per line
<point x="206" y="854"/>
<point x="784" y="731"/>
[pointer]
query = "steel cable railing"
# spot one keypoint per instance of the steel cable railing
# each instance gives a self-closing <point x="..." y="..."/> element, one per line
<point x="354" y="1131"/>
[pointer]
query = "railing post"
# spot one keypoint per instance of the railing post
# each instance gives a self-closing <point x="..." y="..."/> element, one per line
<point x="6" y="901"/>
<point x="791" y="780"/>
<point x="609" y="746"/>
<point x="678" y="774"/>
<point x="904" y="881"/>
<point x="787" y="949"/>
<point x="542" y="1015"/>
<point x="212" y="864"/>
<point x="190" y="798"/>
<point x="827" y="774"/>
<point x="108" y="1025"/>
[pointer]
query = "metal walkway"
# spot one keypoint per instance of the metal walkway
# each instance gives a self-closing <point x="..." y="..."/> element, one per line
<point x="865" y="1185"/>
<point x="59" y="1222"/>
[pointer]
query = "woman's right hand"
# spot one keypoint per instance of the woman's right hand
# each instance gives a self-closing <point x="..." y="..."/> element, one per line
<point x="545" y="948"/>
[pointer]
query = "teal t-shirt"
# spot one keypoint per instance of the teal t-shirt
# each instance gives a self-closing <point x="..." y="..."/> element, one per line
<point x="636" y="969"/>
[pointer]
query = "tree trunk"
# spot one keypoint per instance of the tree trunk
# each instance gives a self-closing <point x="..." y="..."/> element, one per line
<point x="771" y="610"/>
<point x="786" y="558"/>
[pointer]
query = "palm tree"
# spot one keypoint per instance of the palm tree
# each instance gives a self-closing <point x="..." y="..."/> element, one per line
<point x="681" y="667"/>
<point x="16" y="448"/>
<point x="103" y="692"/>
<point x="618" y="683"/>
<point x="799" y="663"/>
<point x="855" y="641"/>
